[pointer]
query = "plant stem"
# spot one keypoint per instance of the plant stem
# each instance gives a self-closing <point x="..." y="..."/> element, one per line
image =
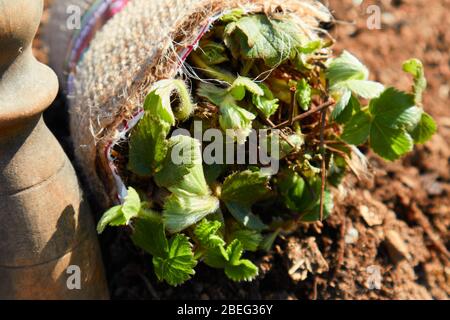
<point x="280" y="89"/>
<point x="292" y="106"/>
<point x="339" y="152"/>
<point x="212" y="71"/>
<point x="306" y="114"/>
<point x="248" y="64"/>
<point x="269" y="122"/>
<point x="323" y="164"/>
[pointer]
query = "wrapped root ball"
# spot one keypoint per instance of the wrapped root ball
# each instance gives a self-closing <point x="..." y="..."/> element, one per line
<point x="108" y="54"/>
<point x="210" y="127"/>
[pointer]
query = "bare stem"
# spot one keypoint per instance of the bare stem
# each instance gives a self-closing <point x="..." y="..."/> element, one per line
<point x="269" y="122"/>
<point x="323" y="168"/>
<point x="306" y="114"/>
<point x="292" y="106"/>
<point x="211" y="71"/>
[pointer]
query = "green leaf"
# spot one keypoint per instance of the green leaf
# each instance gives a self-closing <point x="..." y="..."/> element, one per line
<point x="178" y="266"/>
<point x="229" y="259"/>
<point x="216" y="257"/>
<point x="213" y="171"/>
<point x="364" y="88"/>
<point x="268" y="241"/>
<point x="207" y="233"/>
<point x="395" y="109"/>
<point x="352" y="107"/>
<point x="184" y="210"/>
<point x="233" y="15"/>
<point x="357" y="129"/>
<point x="266" y="103"/>
<point x="149" y="234"/>
<point x="234" y="252"/>
<point x="342" y="98"/>
<point x="245" y="270"/>
<point x="297" y="194"/>
<point x="182" y="169"/>
<point x="311" y="46"/>
<point x="238" y="120"/>
<point x="258" y="37"/>
<point x="183" y="175"/>
<point x="243" y="84"/>
<point x="232" y="117"/>
<point x="158" y="101"/>
<point x="426" y="126"/>
<point x="122" y="214"/>
<point x="158" y="107"/>
<point x="238" y="269"/>
<point x="291" y="187"/>
<point x="346" y="73"/>
<point x="386" y="124"/>
<point x="389" y="143"/>
<point x="425" y="129"/>
<point x="243" y="214"/>
<point x="240" y="191"/>
<point x="217" y="96"/>
<point x="112" y="217"/>
<point x="301" y="56"/>
<point x="346" y="67"/>
<point x="132" y="205"/>
<point x="250" y="239"/>
<point x="308" y="170"/>
<point x="415" y="68"/>
<point x="148" y="146"/>
<point x="245" y="187"/>
<point x="212" y="52"/>
<point x="303" y="195"/>
<point x="394" y="113"/>
<point x="303" y="94"/>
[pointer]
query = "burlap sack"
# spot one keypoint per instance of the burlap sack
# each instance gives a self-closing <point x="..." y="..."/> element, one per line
<point x="135" y="48"/>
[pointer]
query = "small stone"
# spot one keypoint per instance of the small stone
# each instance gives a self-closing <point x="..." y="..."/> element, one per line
<point x="374" y="278"/>
<point x="444" y="91"/>
<point x="370" y="217"/>
<point x="445" y="122"/>
<point x="409" y="181"/>
<point x="397" y="248"/>
<point x="305" y="258"/>
<point x="432" y="185"/>
<point x="352" y="236"/>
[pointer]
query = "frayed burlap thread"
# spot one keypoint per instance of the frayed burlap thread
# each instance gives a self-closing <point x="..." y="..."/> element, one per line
<point x="134" y="49"/>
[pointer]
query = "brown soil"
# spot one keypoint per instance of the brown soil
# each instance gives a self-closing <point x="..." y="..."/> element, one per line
<point x="391" y="227"/>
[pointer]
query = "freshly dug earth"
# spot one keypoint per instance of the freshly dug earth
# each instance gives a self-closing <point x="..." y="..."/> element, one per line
<point x="389" y="235"/>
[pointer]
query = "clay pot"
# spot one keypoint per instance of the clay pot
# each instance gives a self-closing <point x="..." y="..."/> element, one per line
<point x="48" y="244"/>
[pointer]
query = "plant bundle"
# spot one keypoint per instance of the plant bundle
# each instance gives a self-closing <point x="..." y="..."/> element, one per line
<point x="253" y="71"/>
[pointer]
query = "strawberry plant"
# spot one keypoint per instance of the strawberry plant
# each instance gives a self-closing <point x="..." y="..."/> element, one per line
<point x="252" y="72"/>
